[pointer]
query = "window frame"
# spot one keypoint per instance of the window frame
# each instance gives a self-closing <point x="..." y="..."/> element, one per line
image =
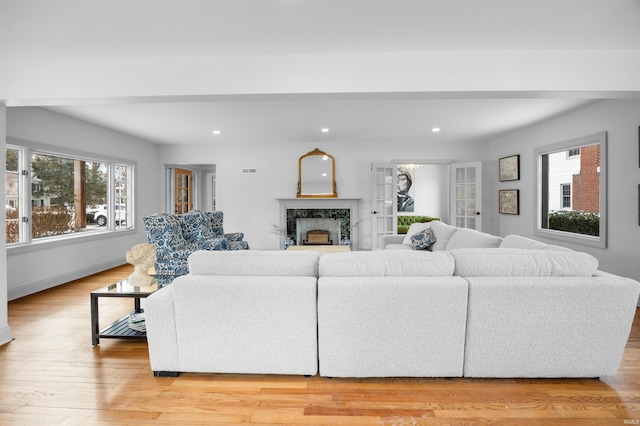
<point x="588" y="240"/>
<point x="26" y="150"/>
<point x="563" y="196"/>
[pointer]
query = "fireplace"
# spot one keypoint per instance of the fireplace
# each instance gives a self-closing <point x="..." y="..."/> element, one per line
<point x="317" y="237"/>
<point x="317" y="231"/>
<point x="335" y="215"/>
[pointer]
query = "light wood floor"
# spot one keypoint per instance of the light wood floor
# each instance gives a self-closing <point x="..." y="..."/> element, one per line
<point x="51" y="374"/>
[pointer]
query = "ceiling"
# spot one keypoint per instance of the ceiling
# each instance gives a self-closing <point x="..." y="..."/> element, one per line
<point x="179" y="28"/>
<point x="377" y="118"/>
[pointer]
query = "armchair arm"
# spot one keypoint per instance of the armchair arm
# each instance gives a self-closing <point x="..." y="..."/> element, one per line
<point x="214" y="244"/>
<point x="393" y="239"/>
<point x="234" y="236"/>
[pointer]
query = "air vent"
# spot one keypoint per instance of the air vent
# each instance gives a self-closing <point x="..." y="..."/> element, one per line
<point x="249" y="171"/>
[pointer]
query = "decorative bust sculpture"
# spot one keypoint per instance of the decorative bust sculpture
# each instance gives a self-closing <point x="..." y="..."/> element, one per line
<point x="142" y="257"/>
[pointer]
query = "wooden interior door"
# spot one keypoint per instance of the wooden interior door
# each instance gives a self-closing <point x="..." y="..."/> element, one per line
<point x="183" y="196"/>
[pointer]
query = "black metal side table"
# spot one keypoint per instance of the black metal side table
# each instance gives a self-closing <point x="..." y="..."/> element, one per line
<point x="119" y="329"/>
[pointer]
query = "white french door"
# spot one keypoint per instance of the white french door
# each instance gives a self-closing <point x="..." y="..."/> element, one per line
<point x="466" y="195"/>
<point x="383" y="203"/>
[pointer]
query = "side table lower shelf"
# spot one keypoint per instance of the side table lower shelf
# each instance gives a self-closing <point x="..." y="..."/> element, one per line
<point x="120" y="330"/>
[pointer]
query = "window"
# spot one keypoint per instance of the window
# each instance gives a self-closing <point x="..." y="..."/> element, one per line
<point x="574" y="211"/>
<point x="565" y="190"/>
<point x="69" y="195"/>
<point x="12" y="195"/>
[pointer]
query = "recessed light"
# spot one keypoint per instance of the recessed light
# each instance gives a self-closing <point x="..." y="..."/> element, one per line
<point x="325" y="130"/>
<point x="435" y="129"/>
<point x="216" y="132"/>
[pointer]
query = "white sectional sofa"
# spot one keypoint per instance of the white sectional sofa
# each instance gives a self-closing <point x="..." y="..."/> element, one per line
<point x="386" y="313"/>
<point x="480" y="306"/>
<point x="240" y="311"/>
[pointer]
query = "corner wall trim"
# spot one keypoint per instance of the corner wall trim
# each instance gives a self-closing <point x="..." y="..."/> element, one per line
<point x="5" y="335"/>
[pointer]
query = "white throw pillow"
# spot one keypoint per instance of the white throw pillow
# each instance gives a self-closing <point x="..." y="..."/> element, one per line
<point x="414" y="229"/>
<point x="443" y="233"/>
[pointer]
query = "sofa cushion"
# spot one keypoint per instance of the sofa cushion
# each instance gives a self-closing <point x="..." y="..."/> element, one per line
<point x="423" y="239"/>
<point x="517" y="241"/>
<point x="405" y="221"/>
<point x="470" y="238"/>
<point x="488" y="262"/>
<point x="255" y="263"/>
<point x="384" y="263"/>
<point x="398" y="247"/>
<point x="414" y="228"/>
<point x="443" y="233"/>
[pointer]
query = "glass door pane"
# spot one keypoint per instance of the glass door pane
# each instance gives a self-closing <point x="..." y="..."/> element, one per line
<point x="183" y="183"/>
<point x="383" y="206"/>
<point x="467" y="195"/>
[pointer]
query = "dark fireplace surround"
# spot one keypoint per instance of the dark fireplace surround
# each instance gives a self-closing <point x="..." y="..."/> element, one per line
<point x="341" y="215"/>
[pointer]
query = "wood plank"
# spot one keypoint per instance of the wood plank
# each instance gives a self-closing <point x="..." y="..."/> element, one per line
<point x="51" y="374"/>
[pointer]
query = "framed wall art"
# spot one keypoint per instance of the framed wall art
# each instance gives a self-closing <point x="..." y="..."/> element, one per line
<point x="509" y="168"/>
<point x="509" y="201"/>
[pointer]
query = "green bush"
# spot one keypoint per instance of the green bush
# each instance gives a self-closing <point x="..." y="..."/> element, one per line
<point x="577" y="222"/>
<point x="12" y="226"/>
<point x="49" y="221"/>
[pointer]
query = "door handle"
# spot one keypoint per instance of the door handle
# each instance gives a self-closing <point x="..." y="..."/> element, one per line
<point x="477" y="213"/>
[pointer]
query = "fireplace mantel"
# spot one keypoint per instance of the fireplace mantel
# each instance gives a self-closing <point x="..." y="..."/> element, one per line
<point x="321" y="204"/>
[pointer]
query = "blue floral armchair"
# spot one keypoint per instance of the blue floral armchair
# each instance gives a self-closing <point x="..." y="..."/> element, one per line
<point x="177" y="236"/>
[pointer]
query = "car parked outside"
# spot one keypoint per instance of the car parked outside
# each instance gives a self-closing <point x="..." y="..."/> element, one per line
<point x="99" y="214"/>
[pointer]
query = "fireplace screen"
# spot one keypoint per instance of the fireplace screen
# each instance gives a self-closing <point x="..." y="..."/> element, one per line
<point x="318" y="237"/>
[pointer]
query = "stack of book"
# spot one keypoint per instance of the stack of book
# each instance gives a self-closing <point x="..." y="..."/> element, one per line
<point x="137" y="322"/>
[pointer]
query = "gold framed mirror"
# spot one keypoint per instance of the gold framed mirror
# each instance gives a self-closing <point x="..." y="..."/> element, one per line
<point x="317" y="175"/>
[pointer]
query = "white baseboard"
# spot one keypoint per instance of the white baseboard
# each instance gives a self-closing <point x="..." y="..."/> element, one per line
<point x="5" y="335"/>
<point x="57" y="280"/>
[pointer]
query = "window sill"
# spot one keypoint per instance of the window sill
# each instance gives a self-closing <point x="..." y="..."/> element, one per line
<point x="585" y="240"/>
<point x="60" y="241"/>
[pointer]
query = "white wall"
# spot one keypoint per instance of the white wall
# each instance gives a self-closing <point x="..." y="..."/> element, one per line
<point x="432" y="190"/>
<point x="249" y="201"/>
<point x="46" y="265"/>
<point x="619" y="118"/>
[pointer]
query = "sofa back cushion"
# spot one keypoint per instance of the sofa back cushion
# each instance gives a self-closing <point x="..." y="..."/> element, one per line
<point x="405" y="221"/>
<point x="255" y="263"/>
<point x="215" y="228"/>
<point x="386" y="263"/>
<point x="470" y="238"/>
<point x="500" y="262"/>
<point x="517" y="241"/>
<point x="443" y="233"/>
